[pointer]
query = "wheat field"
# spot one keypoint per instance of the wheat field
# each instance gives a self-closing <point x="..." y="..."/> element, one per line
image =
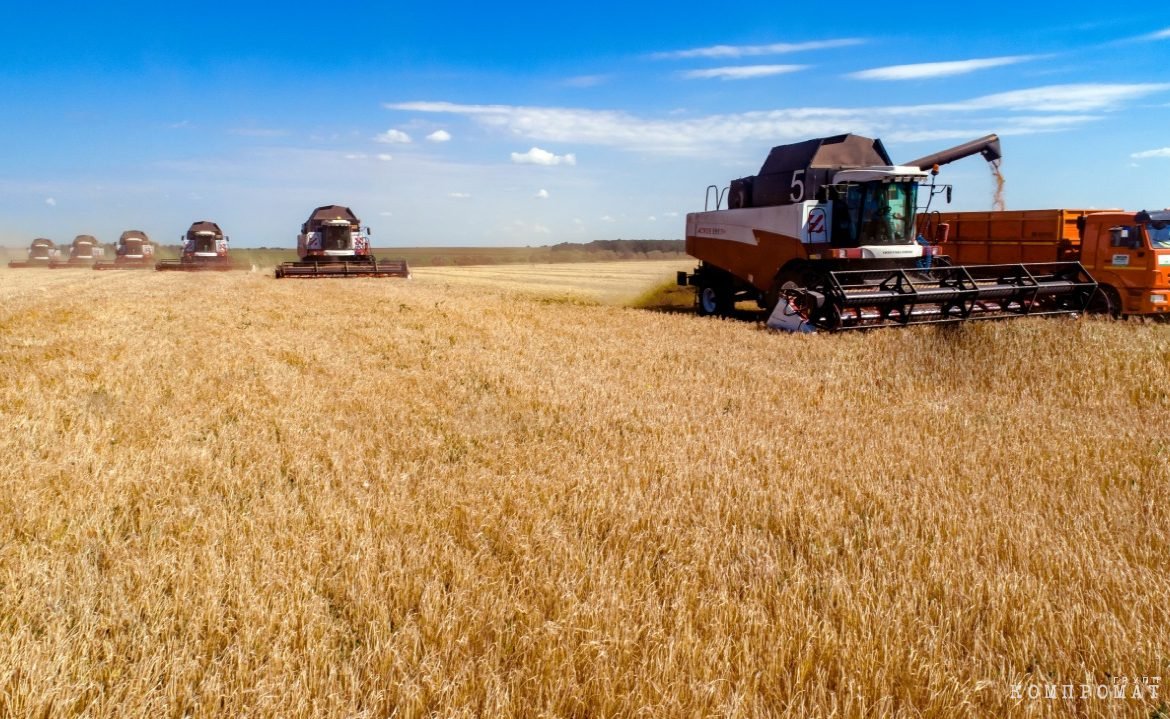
<point x="227" y="495"/>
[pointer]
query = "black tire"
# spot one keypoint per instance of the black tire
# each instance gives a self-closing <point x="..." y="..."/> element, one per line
<point x="713" y="300"/>
<point x="793" y="278"/>
<point x="1105" y="301"/>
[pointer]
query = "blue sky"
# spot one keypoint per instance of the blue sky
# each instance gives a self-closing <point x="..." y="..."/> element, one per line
<point x="532" y="124"/>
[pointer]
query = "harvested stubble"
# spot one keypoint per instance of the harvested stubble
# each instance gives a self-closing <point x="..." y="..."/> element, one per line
<point x="232" y="496"/>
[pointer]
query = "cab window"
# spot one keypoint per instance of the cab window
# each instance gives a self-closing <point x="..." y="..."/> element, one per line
<point x="1125" y="236"/>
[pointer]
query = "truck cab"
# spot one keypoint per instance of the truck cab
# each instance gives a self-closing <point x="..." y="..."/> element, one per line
<point x="1129" y="255"/>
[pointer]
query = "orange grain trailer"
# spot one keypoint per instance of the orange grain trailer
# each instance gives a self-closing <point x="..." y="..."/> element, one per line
<point x="1128" y="253"/>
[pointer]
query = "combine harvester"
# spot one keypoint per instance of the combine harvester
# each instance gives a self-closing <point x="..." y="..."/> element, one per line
<point x="83" y="252"/>
<point x="204" y="248"/>
<point x="134" y="252"/>
<point x="332" y="244"/>
<point x="1128" y="253"/>
<point x="823" y="238"/>
<point x="41" y="253"/>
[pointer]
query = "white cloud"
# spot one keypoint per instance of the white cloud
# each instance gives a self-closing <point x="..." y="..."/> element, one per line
<point x="606" y="218"/>
<point x="670" y="214"/>
<point x="1019" y="112"/>
<point x="458" y="195"/>
<point x="537" y="156"/>
<point x="923" y="70"/>
<point x="652" y="218"/>
<point x="779" y="48"/>
<point x="258" y="132"/>
<point x="393" y="137"/>
<point x="585" y="81"/>
<point x="1160" y="35"/>
<point x="741" y="72"/>
<point x="541" y="194"/>
<point x="1084" y="97"/>
<point x="180" y="125"/>
<point x="1160" y="152"/>
<point x="51" y="201"/>
<point x="439" y="136"/>
<point x="385" y="214"/>
<point x="363" y="156"/>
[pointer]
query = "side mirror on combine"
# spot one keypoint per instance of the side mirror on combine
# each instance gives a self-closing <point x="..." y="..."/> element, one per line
<point x="949" y="194"/>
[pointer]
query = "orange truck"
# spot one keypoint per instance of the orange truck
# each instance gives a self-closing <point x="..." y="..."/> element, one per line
<point x="1127" y="253"/>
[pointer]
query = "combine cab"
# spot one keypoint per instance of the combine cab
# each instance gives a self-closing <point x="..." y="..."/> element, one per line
<point x="332" y="244"/>
<point x="823" y="238"/>
<point x="204" y="248"/>
<point x="134" y="252"/>
<point x="83" y="252"/>
<point x="41" y="253"/>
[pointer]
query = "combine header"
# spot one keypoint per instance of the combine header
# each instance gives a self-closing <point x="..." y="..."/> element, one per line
<point x="332" y="244"/>
<point x="204" y="248"/>
<point x="83" y="252"/>
<point x="41" y="253"/>
<point x="823" y="238"/>
<point x="134" y="252"/>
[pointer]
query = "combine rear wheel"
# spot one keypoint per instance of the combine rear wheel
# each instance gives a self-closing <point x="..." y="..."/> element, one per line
<point x="714" y="299"/>
<point x="714" y="291"/>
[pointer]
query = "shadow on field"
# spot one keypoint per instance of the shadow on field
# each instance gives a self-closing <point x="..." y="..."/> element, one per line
<point x="672" y="298"/>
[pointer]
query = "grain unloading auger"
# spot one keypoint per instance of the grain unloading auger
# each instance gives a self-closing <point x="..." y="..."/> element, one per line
<point x="333" y="244"/>
<point x="824" y="237"/>
<point x="205" y="247"/>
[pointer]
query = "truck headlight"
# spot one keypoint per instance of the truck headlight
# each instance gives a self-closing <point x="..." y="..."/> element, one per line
<point x="1158" y="299"/>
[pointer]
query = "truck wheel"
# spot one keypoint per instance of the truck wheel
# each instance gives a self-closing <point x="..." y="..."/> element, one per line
<point x="1105" y="301"/>
<point x="713" y="300"/>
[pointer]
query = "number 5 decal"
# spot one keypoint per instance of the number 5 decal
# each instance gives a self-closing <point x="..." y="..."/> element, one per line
<point x="797" y="186"/>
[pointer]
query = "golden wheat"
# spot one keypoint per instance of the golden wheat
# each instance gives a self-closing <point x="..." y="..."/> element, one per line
<point x="226" y="495"/>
